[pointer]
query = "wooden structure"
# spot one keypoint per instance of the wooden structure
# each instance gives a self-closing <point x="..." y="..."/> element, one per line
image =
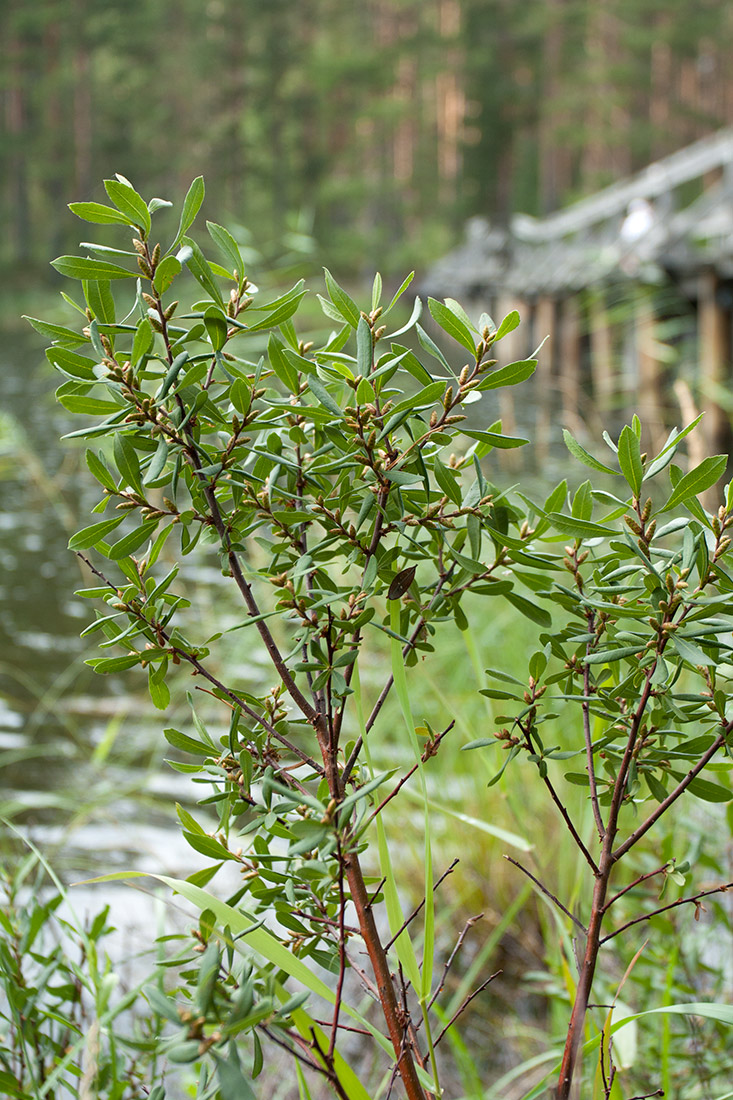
<point x="632" y="291"/>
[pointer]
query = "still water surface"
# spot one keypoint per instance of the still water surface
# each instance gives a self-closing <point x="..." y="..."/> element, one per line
<point x="82" y="755"/>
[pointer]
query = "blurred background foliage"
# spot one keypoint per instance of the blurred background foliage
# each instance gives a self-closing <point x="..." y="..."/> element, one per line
<point x="376" y="127"/>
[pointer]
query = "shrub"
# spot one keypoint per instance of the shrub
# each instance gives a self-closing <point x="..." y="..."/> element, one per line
<point x="341" y="486"/>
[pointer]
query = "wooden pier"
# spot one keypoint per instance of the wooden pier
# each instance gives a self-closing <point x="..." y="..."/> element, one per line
<point x="632" y="291"/>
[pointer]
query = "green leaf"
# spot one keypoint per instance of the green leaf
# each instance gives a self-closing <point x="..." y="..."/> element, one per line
<point x="90" y="536"/>
<point x="400" y="291"/>
<point x="99" y="214"/>
<point x="324" y="397"/>
<point x="198" y="265"/>
<point x="100" y="471"/>
<point x="509" y="375"/>
<point x="89" y="406"/>
<point x="187" y="744"/>
<point x="129" y="543"/>
<point x="578" y="528"/>
<point x="281" y="364"/>
<point x="191" y="207"/>
<point x="216" y="327"/>
<point x="453" y="325"/>
<point x="608" y="656"/>
<point x="582" y="506"/>
<point x="72" y="364"/>
<point x="709" y="792"/>
<point x="143" y="341"/>
<point x="127" y="462"/>
<point x="126" y="199"/>
<point x="165" y="273"/>
<point x="81" y="267"/>
<point x="494" y="439"/>
<point x="228" y="247"/>
<point x="447" y="481"/>
<point x="345" y="305"/>
<point x="583" y="456"/>
<point x="115" y="664"/>
<point x="432" y="349"/>
<point x="531" y="610"/>
<point x="697" y="481"/>
<point x="207" y="846"/>
<point x="629" y="459"/>
<point x="510" y="322"/>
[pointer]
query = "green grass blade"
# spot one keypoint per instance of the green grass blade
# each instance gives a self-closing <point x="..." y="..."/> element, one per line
<point x="423" y="988"/>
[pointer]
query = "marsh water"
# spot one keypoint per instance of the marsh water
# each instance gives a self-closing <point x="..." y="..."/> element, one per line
<point x="82" y="756"/>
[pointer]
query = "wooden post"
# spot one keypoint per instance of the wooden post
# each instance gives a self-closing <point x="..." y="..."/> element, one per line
<point x="648" y="401"/>
<point x="511" y="348"/>
<point x="713" y="329"/>
<point x="602" y="364"/>
<point x="569" y="365"/>
<point x="544" y="328"/>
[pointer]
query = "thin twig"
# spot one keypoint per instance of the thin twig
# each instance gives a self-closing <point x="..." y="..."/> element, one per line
<point x="548" y="894"/>
<point x="161" y="633"/>
<point x="395" y="790"/>
<point x="411" y="642"/>
<point x="560" y="805"/>
<point x="375" y="895"/>
<point x="636" y="882"/>
<point x="675" y="794"/>
<point x="449" y="962"/>
<point x="462" y="1008"/>
<point x="663" y="909"/>
<point x="416" y="911"/>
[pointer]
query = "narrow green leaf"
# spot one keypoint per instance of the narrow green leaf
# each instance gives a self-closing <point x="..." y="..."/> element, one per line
<point x="199" y="267"/>
<point x="99" y="214"/>
<point x="400" y="291"/>
<point x="509" y="375"/>
<point x="578" y="528"/>
<point x="191" y="207"/>
<point x="697" y="481"/>
<point x="143" y="341"/>
<point x="90" y="536"/>
<point x="529" y="609"/>
<point x="629" y="459"/>
<point x="228" y="247"/>
<point x="608" y="656"/>
<point x="126" y="199"/>
<point x="100" y="471"/>
<point x="510" y="322"/>
<point x="447" y="320"/>
<point x="65" y="337"/>
<point x="447" y="481"/>
<point x="346" y="306"/>
<point x="81" y="267"/>
<point x="187" y="744"/>
<point x="129" y="543"/>
<point x="319" y="391"/>
<point x="583" y="456"/>
<point x="127" y="462"/>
